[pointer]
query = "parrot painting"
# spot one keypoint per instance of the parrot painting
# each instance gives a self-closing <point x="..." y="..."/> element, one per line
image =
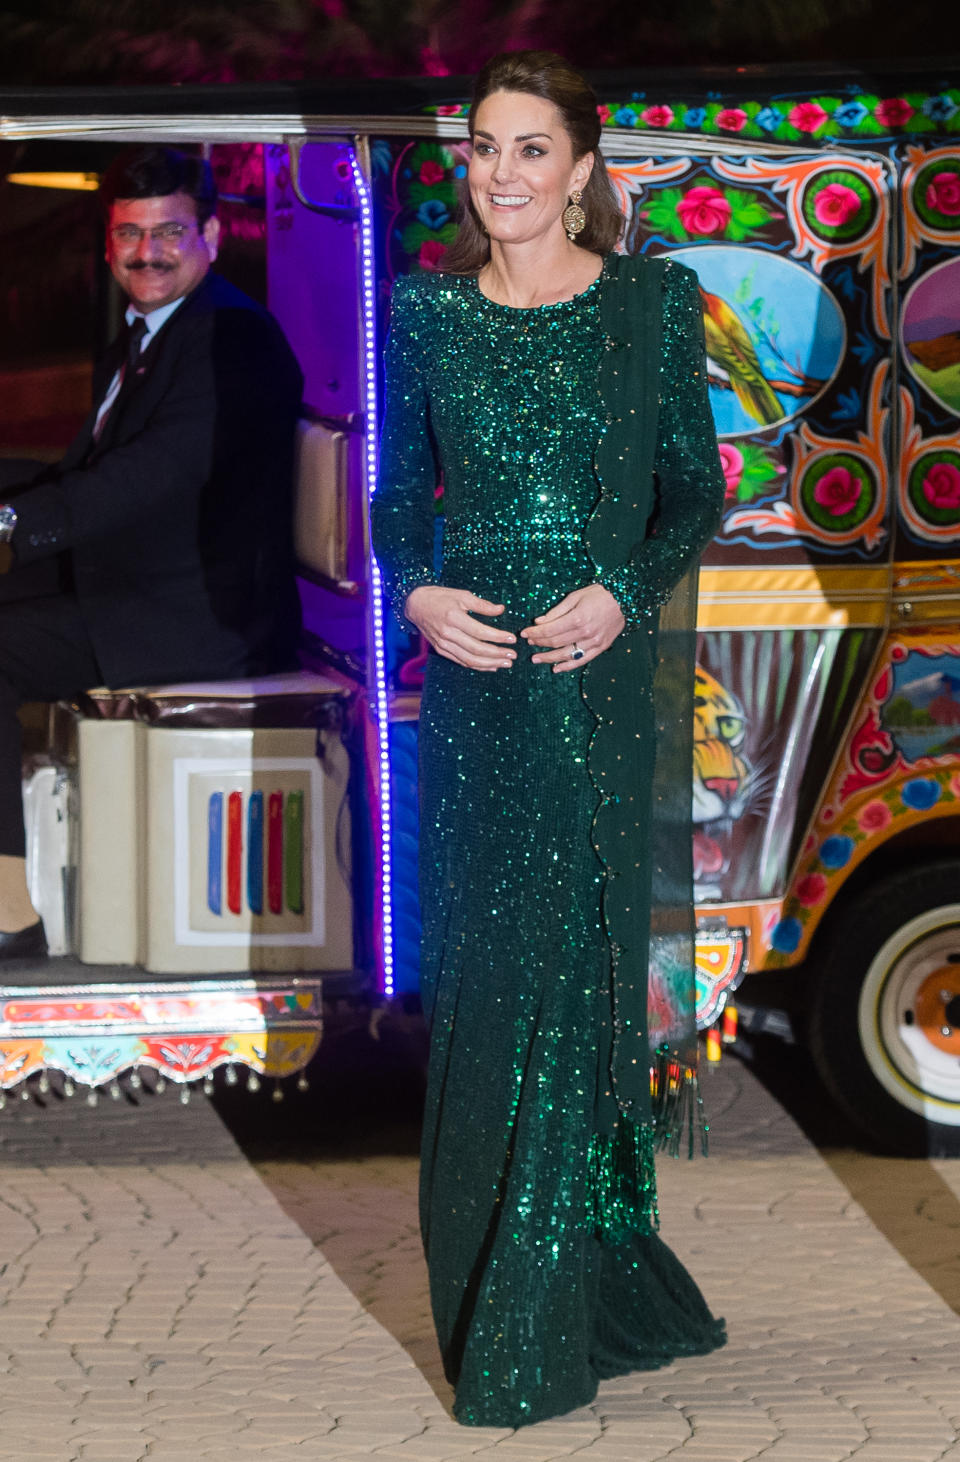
<point x="732" y="355"/>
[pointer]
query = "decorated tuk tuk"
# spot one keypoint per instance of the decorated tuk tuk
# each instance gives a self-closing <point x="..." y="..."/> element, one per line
<point x="822" y="216"/>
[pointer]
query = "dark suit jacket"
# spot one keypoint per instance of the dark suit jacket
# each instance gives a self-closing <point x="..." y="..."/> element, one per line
<point x="177" y="525"/>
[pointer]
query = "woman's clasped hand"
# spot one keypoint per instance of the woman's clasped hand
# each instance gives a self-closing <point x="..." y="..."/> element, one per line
<point x="587" y="620"/>
<point x="576" y="630"/>
<point x="445" y="617"/>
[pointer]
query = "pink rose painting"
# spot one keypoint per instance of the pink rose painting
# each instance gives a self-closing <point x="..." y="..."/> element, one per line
<point x="732" y="459"/>
<point x="431" y="252"/>
<point x="431" y="172"/>
<point x="874" y="817"/>
<point x="835" y="205"/>
<point x="838" y="491"/>
<point x="657" y="116"/>
<point x="810" y="890"/>
<point x="807" y="116"/>
<point x="943" y="194"/>
<point x="731" y="119"/>
<point x="704" y="210"/>
<point x="603" y="112"/>
<point x="941" y="486"/>
<point x="895" y="111"/>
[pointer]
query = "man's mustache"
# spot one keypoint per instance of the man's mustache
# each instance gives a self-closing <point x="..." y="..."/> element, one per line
<point x="156" y="268"/>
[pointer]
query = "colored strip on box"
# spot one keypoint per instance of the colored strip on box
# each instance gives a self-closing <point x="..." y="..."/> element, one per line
<point x="275" y="852"/>
<point x="293" y="852"/>
<point x="215" y="853"/>
<point x="255" y="852"/>
<point x="234" y="850"/>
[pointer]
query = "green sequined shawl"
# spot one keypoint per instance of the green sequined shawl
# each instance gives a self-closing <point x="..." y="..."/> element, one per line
<point x="642" y="829"/>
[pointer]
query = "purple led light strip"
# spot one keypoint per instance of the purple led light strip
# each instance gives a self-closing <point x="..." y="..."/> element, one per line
<point x="376" y="589"/>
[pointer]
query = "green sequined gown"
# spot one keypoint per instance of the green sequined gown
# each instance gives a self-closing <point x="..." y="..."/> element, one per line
<point x="531" y="1307"/>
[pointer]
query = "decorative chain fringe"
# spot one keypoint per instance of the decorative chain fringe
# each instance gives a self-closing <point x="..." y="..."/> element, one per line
<point x="677" y="1105"/>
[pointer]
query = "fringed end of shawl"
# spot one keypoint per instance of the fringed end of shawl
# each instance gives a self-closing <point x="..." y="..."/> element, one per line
<point x="621" y="1171"/>
<point x="677" y="1105"/>
<point x="622" y="1182"/>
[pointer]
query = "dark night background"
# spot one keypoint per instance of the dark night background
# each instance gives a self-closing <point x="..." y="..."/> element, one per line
<point x="57" y="308"/>
<point x="87" y="41"/>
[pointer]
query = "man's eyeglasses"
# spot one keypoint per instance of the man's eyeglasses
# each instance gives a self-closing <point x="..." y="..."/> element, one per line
<point x="165" y="233"/>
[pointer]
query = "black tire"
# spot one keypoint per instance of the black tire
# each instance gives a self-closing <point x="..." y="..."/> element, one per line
<point x="887" y="993"/>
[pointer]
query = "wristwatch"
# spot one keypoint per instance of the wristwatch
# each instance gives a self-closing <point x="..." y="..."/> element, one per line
<point x="8" y="521"/>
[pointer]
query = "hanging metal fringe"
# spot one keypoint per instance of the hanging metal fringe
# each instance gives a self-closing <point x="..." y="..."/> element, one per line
<point x="677" y="1104"/>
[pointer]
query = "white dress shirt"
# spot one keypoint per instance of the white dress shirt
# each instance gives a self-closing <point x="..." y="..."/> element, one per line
<point x="153" y="321"/>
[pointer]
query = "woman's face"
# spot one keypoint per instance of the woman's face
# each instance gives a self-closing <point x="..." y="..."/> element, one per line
<point x="522" y="169"/>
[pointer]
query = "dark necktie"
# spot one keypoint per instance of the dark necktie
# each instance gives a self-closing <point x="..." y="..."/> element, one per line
<point x="132" y="346"/>
<point x="130" y="342"/>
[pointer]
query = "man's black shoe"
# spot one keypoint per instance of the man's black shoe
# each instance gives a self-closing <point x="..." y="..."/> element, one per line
<point x="29" y="943"/>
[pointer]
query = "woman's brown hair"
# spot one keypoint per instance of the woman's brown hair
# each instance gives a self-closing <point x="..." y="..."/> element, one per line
<point x="549" y="76"/>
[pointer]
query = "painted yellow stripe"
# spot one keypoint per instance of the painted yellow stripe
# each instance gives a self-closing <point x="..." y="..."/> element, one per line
<point x="926" y="576"/>
<point x="829" y="596"/>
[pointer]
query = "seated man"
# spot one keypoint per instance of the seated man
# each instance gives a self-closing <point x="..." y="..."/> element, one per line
<point x="168" y="522"/>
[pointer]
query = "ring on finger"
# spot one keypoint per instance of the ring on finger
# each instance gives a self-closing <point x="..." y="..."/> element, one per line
<point x="576" y="653"/>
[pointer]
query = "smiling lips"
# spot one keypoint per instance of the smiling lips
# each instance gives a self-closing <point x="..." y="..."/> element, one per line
<point x="509" y="200"/>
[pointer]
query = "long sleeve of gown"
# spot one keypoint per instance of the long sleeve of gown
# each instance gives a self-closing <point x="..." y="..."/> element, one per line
<point x="690" y="482"/>
<point x="402" y="513"/>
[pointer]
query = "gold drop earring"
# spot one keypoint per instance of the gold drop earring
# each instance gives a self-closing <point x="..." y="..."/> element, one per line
<point x="574" y="217"/>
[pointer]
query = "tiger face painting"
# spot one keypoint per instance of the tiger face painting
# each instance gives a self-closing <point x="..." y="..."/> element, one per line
<point x="721" y="775"/>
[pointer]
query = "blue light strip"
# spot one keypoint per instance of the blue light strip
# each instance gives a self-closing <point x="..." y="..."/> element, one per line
<point x="368" y="295"/>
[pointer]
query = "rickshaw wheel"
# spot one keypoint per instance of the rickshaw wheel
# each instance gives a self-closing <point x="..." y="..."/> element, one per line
<point x="885" y="1017"/>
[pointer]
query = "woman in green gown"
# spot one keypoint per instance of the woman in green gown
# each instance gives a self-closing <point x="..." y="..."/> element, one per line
<point x="559" y="392"/>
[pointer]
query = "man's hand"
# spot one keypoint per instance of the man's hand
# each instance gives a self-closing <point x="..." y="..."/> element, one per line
<point x="445" y="618"/>
<point x="588" y="619"/>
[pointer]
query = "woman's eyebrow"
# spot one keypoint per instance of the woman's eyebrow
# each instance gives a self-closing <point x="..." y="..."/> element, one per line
<point x="522" y="137"/>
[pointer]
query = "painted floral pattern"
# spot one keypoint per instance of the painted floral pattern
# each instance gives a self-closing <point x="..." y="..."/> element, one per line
<point x="731" y="459"/>
<point x="731" y="119"/>
<point x="836" y="851"/>
<point x="838" y="491"/>
<point x="943" y="193"/>
<point x="423" y="179"/>
<point x="894" y="112"/>
<point x="839" y="204"/>
<point x="836" y="204"/>
<point x="805" y="119"/>
<point x="707" y="211"/>
<point x="941" y="485"/>
<point x="830" y="860"/>
<point x="934" y="487"/>
<point x="704" y="210"/>
<point x="904" y="791"/>
<point x="811" y="890"/>
<point x="750" y="470"/>
<point x="874" y="817"/>
<point x="920" y="793"/>
<point x="936" y="194"/>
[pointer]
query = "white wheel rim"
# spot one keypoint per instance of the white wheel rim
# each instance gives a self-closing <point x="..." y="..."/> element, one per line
<point x="917" y="1073"/>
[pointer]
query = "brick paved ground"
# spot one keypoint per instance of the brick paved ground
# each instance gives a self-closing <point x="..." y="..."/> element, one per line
<point x="164" y="1299"/>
